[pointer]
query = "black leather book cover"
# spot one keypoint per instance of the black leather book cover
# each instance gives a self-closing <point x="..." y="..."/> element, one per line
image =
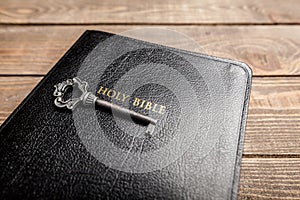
<point x="194" y="152"/>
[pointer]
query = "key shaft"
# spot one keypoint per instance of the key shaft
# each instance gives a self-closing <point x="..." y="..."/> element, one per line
<point x="124" y="113"/>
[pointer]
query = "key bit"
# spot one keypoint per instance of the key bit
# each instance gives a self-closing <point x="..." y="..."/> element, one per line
<point x="89" y="99"/>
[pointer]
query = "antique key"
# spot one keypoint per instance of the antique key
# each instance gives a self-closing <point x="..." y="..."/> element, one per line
<point x="89" y="99"/>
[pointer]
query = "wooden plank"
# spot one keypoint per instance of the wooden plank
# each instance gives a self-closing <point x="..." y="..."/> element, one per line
<point x="155" y="11"/>
<point x="270" y="50"/>
<point x="270" y="178"/>
<point x="12" y="91"/>
<point x="273" y="125"/>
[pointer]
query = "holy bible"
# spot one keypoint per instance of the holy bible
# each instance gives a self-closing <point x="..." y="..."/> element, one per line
<point x="68" y="140"/>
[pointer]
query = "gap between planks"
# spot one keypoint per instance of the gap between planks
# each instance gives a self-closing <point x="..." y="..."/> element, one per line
<point x="269" y="50"/>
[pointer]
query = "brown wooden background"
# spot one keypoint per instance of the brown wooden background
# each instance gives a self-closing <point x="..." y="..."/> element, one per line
<point x="34" y="34"/>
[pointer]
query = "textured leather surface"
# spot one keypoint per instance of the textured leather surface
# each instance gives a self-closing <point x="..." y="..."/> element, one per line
<point x="45" y="155"/>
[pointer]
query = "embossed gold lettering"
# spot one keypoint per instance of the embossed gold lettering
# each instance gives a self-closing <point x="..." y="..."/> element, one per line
<point x="136" y="102"/>
<point x="148" y="106"/>
<point x="111" y="93"/>
<point x="118" y="96"/>
<point x="162" y="110"/>
<point x="102" y="90"/>
<point x="153" y="109"/>
<point x="141" y="103"/>
<point x="125" y="97"/>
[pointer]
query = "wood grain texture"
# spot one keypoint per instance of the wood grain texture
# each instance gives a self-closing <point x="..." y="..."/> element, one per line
<point x="273" y="125"/>
<point x="12" y="91"/>
<point x="270" y="178"/>
<point x="271" y="50"/>
<point x="156" y="11"/>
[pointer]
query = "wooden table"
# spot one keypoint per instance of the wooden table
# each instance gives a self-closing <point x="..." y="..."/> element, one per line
<point x="264" y="34"/>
